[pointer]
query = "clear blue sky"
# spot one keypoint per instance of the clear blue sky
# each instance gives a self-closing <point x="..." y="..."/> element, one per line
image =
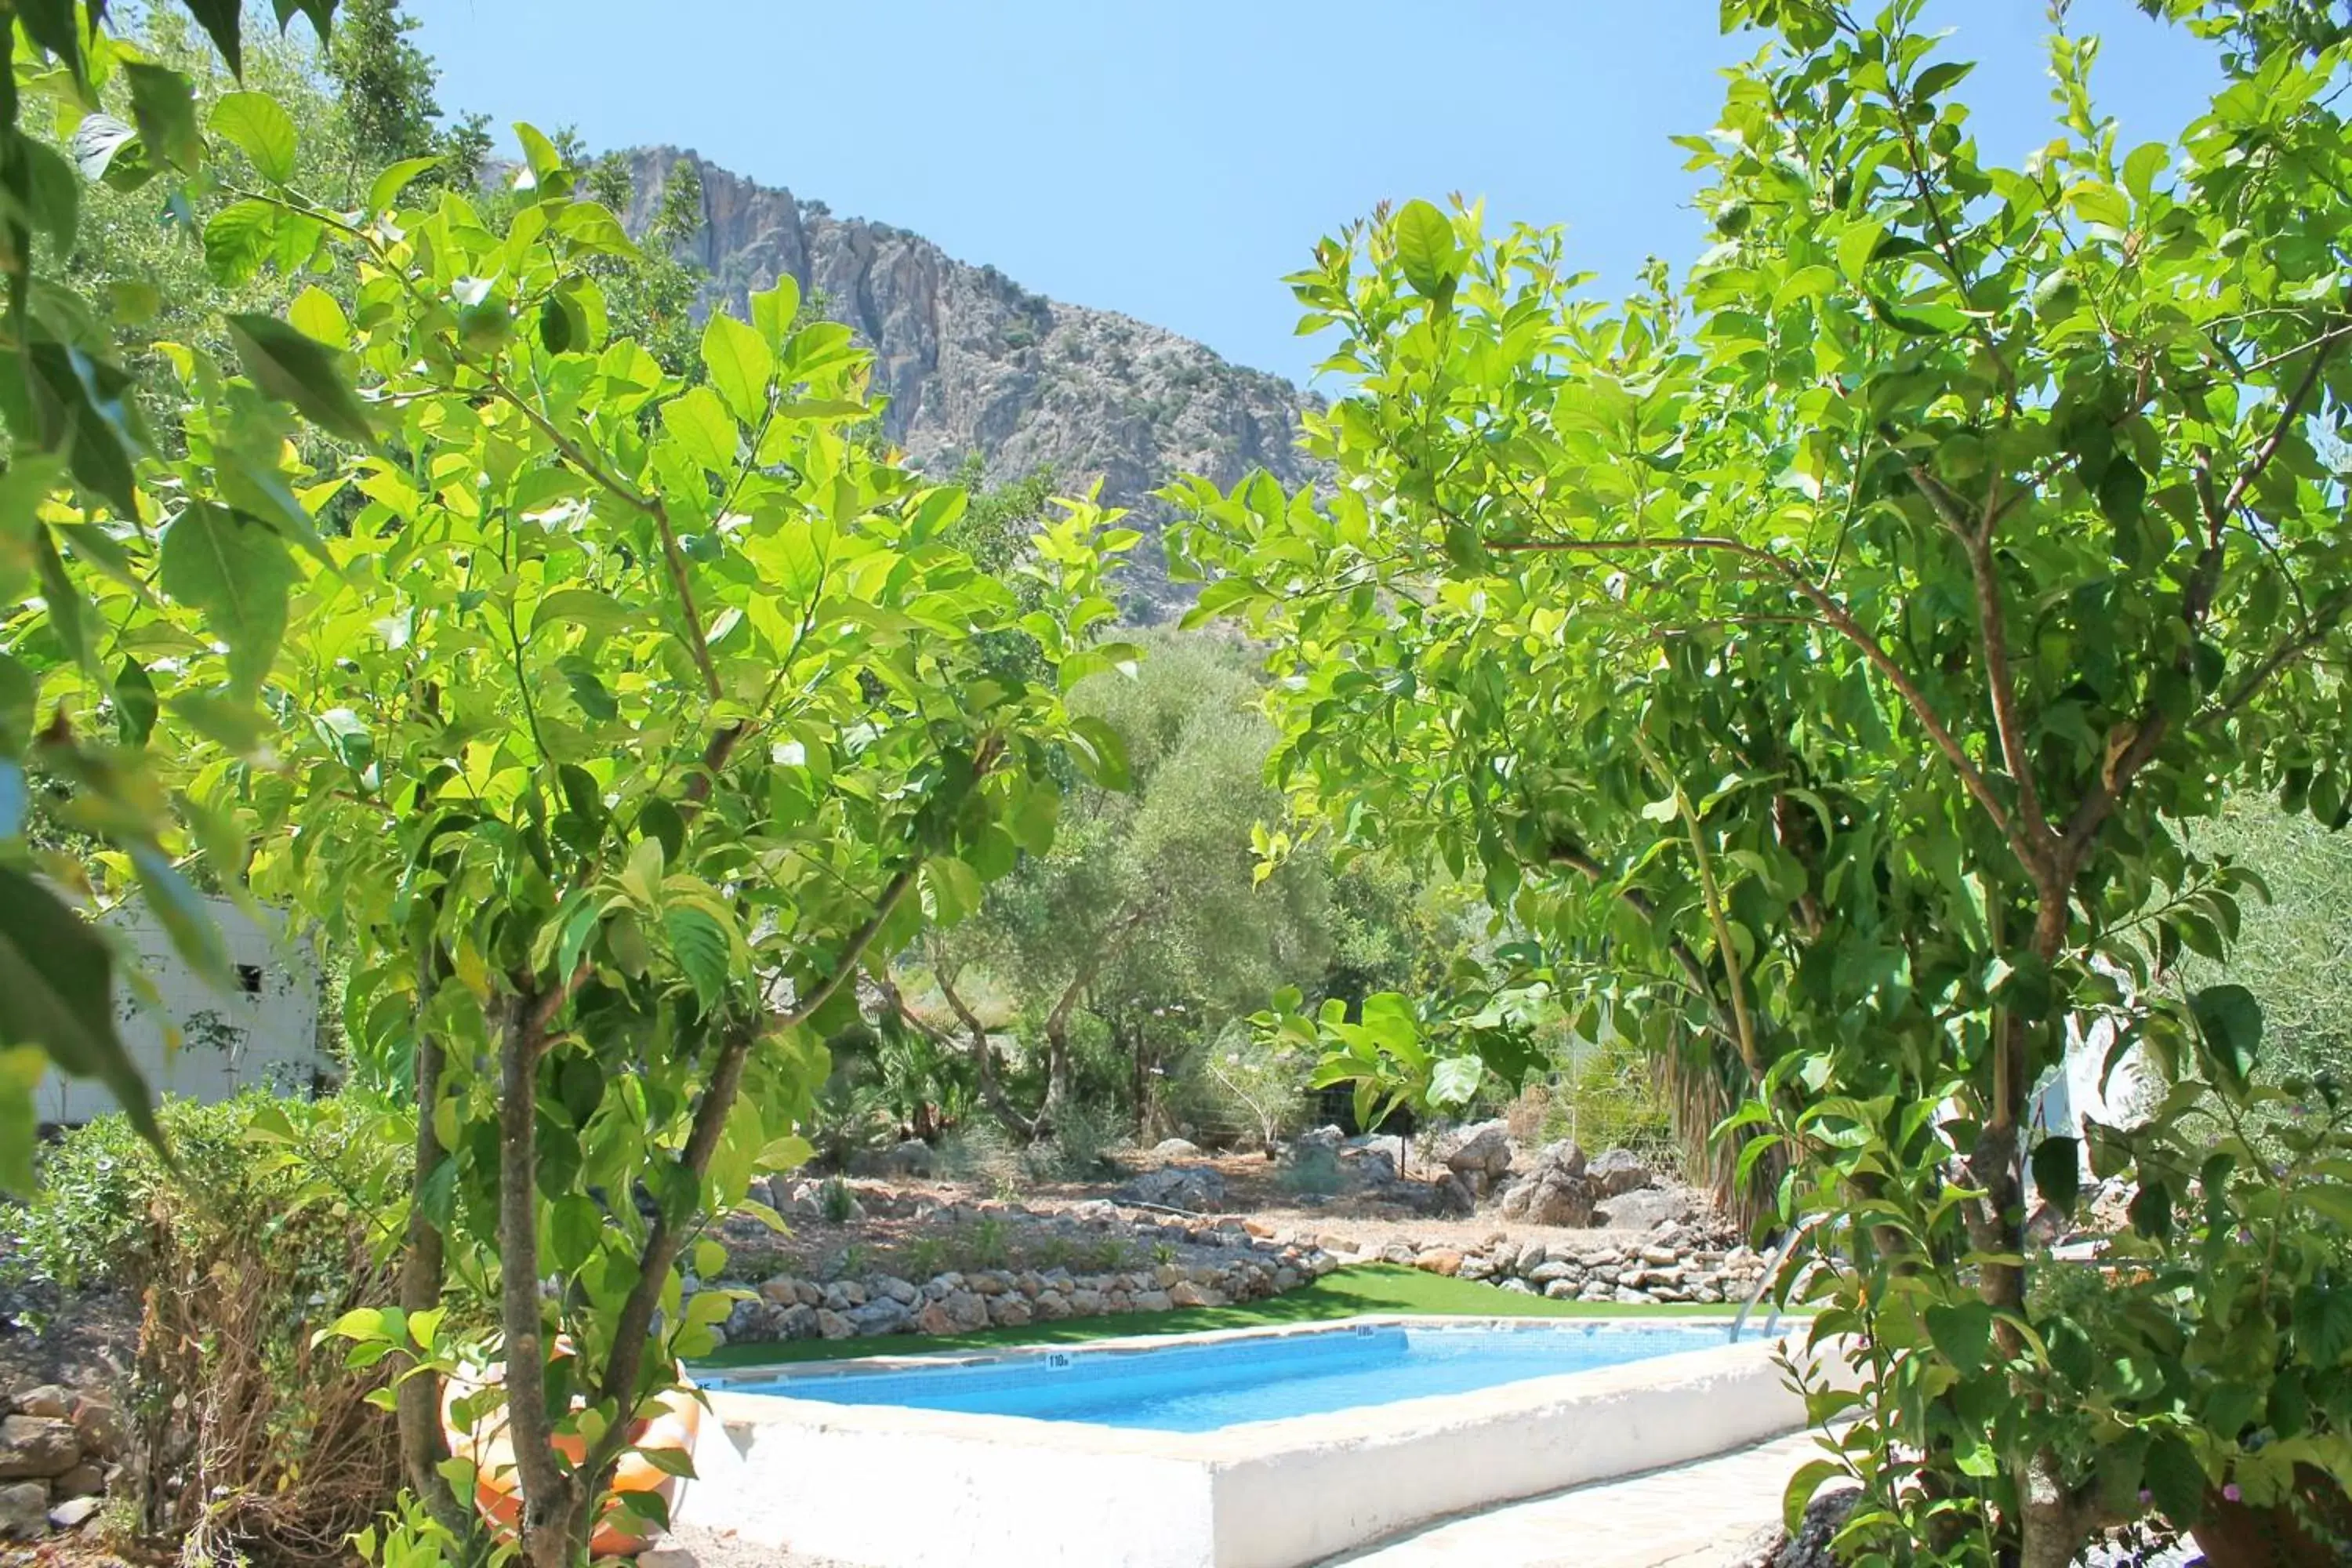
<point x="1174" y="160"/>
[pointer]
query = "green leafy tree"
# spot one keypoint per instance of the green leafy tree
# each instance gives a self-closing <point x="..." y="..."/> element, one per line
<point x="1833" y="639"/>
<point x="78" y="519"/>
<point x="1145" y="920"/>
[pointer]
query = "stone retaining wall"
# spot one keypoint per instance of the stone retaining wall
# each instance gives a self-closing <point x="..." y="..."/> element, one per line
<point x="1672" y="1264"/>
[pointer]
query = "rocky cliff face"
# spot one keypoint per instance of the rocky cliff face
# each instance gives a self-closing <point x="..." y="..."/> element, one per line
<point x="973" y="363"/>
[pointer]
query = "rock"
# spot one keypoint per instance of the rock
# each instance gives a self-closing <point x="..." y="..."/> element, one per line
<point x="897" y="1289"/>
<point x="1197" y="1189"/>
<point x="1185" y="1293"/>
<point x="1644" y="1209"/>
<point x="1439" y="1260"/>
<point x="1483" y="1148"/>
<point x="1085" y="1303"/>
<point x="1564" y="1156"/>
<point x="1562" y="1289"/>
<point x="1008" y="1312"/>
<point x="1399" y="1251"/>
<point x="1824" y="1517"/>
<point x="84" y="1480"/>
<point x="75" y="1511"/>
<point x="1549" y="1274"/>
<point x="1051" y="1306"/>
<point x="797" y="1322"/>
<point x="37" y="1447"/>
<point x="967" y="1311"/>
<point x="1151" y="1301"/>
<point x="934" y="1320"/>
<point x="1551" y="1196"/>
<point x="23" y="1508"/>
<point x="883" y="1317"/>
<point x="1619" y="1171"/>
<point x="831" y="1325"/>
<point x="1632" y="1297"/>
<point x="784" y="1291"/>
<point x="913" y="1157"/>
<point x="100" y="1426"/>
<point x="48" y="1400"/>
<point x="1175" y="1149"/>
<point x="1362" y="1168"/>
<point x="750" y="1321"/>
<point x="1327" y="1139"/>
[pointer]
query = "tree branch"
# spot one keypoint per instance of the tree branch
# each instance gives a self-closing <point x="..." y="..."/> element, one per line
<point x="1837" y="617"/>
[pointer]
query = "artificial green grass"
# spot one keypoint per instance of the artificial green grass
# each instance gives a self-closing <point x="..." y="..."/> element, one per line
<point x="1371" y="1288"/>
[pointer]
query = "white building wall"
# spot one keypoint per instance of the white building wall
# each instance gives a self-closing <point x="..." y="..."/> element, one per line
<point x="203" y="1043"/>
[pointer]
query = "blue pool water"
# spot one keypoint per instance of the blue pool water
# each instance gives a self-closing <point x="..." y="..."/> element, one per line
<point x="1202" y="1387"/>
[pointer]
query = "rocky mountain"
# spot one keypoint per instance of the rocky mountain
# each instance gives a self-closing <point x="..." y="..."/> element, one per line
<point x="972" y="361"/>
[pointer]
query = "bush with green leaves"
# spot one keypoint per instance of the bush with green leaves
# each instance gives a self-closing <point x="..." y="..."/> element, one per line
<point x="243" y="1434"/>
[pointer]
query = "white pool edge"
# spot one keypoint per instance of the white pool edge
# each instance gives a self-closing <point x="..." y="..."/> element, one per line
<point x="890" y="1486"/>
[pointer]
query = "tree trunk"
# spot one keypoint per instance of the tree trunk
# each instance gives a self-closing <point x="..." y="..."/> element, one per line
<point x="549" y="1493"/>
<point x="983" y="1057"/>
<point x="1057" y="1053"/>
<point x="423" y="1445"/>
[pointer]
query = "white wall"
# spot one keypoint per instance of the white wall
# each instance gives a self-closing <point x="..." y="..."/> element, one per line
<point x="200" y="1043"/>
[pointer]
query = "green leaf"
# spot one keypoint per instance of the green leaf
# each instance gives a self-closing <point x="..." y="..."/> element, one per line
<point x="1425" y="248"/>
<point x="702" y="953"/>
<point x="300" y="371"/>
<point x="698" y="422"/>
<point x="163" y="105"/>
<point x="1811" y="1477"/>
<point x="185" y="916"/>
<point x="316" y="314"/>
<point x="1100" y="752"/>
<point x="1963" y="1332"/>
<point x="2230" y="1021"/>
<point x="256" y="126"/>
<point x="238" y="239"/>
<point x="1455" y="1082"/>
<point x="386" y="189"/>
<point x="773" y="311"/>
<point x="574" y="1225"/>
<point x="237" y="573"/>
<point x="134" y="703"/>
<point x="2176" y="1481"/>
<point x="57" y="992"/>
<point x="739" y="363"/>
<point x="1940" y="76"/>
<point x="2058" y="1172"/>
<point x="220" y="18"/>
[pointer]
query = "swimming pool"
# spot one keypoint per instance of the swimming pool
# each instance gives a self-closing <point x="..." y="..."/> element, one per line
<point x="1206" y="1387"/>
<point x="1236" y="1449"/>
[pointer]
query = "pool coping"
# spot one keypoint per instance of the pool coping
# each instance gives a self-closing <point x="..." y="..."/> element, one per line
<point x="1246" y="1441"/>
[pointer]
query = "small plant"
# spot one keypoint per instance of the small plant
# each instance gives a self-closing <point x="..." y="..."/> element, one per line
<point x="1110" y="1255"/>
<point x="849" y="1262"/>
<point x="836" y="1202"/>
<point x="988" y="1244"/>
<point x="925" y="1256"/>
<point x="1055" y="1253"/>
<point x="1162" y="1253"/>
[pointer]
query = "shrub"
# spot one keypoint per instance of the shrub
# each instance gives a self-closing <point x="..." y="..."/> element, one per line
<point x="244" y="1442"/>
<point x="1074" y="1149"/>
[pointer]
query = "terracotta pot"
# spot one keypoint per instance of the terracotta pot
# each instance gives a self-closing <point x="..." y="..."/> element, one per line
<point x="2239" y="1535"/>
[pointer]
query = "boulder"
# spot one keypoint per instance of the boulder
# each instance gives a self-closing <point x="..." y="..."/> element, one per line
<point x="49" y="1400"/>
<point x="912" y="1157"/>
<point x="1564" y="1156"/>
<point x="1327" y="1138"/>
<point x="1619" y="1171"/>
<point x="36" y="1447"/>
<point x="831" y="1325"/>
<point x="1175" y="1149"/>
<point x="1774" y="1547"/>
<point x="1439" y="1260"/>
<point x="24" y="1510"/>
<point x="884" y="1316"/>
<point x="1008" y="1312"/>
<point x="1644" y="1208"/>
<point x="1185" y="1293"/>
<point x="76" y="1511"/>
<point x="1551" y="1196"/>
<point x="1196" y="1189"/>
<point x="1482" y="1149"/>
<point x="1362" y="1168"/>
